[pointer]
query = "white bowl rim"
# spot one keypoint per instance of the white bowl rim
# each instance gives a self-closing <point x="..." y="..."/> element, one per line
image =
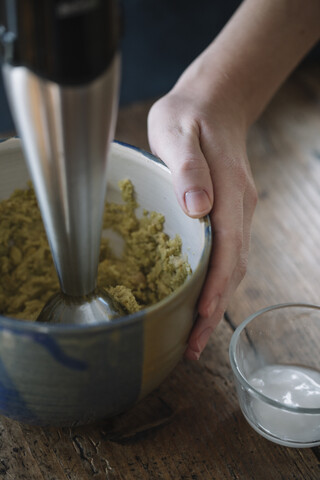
<point x="238" y="373"/>
<point x="15" y="324"/>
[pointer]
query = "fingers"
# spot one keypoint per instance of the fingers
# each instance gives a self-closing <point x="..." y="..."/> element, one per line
<point x="178" y="146"/>
<point x="205" y="325"/>
<point x="228" y="262"/>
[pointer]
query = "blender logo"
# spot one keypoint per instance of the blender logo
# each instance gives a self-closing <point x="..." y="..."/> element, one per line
<point x="76" y="7"/>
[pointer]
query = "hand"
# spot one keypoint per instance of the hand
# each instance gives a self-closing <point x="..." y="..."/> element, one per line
<point x="204" y="145"/>
<point x="199" y="130"/>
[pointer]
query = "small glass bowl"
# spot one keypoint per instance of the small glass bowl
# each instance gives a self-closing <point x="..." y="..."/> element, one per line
<point x="275" y="358"/>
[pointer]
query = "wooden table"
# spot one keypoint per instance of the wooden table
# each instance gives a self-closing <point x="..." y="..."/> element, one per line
<point x="191" y="428"/>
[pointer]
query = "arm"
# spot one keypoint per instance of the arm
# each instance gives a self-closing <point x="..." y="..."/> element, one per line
<point x="256" y="51"/>
<point x="199" y="130"/>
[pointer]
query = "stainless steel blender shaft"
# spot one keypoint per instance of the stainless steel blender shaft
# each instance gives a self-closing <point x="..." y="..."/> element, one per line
<point x="66" y="132"/>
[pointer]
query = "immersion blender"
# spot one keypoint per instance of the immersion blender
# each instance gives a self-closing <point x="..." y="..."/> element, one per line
<point x="61" y="72"/>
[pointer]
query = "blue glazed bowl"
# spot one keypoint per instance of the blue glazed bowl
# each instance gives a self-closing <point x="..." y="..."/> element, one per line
<point x="68" y="374"/>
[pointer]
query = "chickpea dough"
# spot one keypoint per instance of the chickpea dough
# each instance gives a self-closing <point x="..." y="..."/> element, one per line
<point x="151" y="266"/>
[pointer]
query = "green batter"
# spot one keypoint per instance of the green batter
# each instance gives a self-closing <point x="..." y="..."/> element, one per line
<point x="150" y="267"/>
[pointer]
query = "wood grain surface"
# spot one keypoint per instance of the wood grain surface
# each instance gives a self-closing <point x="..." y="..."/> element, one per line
<point x="191" y="428"/>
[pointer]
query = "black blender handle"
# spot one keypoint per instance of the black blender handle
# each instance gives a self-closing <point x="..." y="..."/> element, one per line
<point x="70" y="42"/>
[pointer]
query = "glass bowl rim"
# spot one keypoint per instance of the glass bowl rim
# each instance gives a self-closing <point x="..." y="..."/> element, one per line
<point x="238" y="373"/>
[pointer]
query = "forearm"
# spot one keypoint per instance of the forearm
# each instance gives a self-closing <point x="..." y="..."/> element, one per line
<point x="254" y="53"/>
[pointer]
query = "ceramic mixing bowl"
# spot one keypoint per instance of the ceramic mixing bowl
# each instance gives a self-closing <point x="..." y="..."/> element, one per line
<point x="69" y="374"/>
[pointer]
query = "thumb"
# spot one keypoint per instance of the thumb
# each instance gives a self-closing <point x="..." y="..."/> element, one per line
<point x="180" y="150"/>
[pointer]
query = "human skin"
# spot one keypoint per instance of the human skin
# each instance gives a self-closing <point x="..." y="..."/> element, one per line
<point x="199" y="129"/>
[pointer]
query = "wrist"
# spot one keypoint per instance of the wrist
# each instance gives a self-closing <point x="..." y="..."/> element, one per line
<point x="214" y="92"/>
